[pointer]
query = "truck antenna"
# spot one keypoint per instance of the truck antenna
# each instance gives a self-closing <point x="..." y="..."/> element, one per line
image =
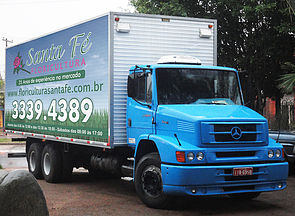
<point x="177" y="139"/>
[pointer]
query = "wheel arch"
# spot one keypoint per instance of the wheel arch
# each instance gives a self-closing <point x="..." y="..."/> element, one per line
<point x="166" y="146"/>
<point x="144" y="147"/>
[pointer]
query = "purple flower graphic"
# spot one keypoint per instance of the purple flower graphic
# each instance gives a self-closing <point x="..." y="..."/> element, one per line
<point x="19" y="65"/>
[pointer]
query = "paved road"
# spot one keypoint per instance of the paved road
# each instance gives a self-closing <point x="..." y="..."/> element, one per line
<point x="86" y="196"/>
<point x="12" y="163"/>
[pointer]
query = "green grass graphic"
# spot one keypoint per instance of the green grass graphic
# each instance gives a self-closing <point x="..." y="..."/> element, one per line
<point x="98" y="121"/>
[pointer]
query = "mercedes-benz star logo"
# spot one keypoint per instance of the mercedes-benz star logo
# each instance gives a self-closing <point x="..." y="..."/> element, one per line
<point x="236" y="133"/>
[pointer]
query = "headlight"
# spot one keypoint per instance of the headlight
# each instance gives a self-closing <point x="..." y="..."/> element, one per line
<point x="278" y="153"/>
<point x="200" y="156"/>
<point x="270" y="154"/>
<point x="190" y="156"/>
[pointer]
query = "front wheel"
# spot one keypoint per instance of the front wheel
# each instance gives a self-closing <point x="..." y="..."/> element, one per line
<point x="148" y="181"/>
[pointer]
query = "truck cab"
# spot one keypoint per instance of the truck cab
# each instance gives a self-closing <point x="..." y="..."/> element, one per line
<point x="193" y="135"/>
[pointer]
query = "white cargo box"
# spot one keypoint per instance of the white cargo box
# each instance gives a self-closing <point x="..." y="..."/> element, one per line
<point x="70" y="85"/>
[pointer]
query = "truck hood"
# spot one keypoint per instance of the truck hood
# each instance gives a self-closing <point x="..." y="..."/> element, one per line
<point x="195" y="124"/>
<point x="192" y="113"/>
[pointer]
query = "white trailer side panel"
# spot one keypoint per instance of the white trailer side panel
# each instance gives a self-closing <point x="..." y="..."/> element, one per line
<point x="149" y="38"/>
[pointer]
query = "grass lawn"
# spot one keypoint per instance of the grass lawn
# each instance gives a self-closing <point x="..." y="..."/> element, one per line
<point x="5" y="140"/>
<point x="8" y="140"/>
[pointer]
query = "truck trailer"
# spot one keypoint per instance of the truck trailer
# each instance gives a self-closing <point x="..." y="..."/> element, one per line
<point x="140" y="96"/>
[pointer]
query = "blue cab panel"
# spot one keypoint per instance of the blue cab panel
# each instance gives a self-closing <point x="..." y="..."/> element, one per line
<point x="197" y="112"/>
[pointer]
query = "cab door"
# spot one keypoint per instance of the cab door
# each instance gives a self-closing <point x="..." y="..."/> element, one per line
<point x="140" y="111"/>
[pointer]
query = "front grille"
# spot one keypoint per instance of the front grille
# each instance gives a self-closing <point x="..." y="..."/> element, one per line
<point x="228" y="127"/>
<point x="235" y="154"/>
<point x="224" y="132"/>
<point x="234" y="133"/>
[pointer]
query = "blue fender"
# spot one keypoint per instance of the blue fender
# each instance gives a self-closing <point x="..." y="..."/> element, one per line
<point x="167" y="146"/>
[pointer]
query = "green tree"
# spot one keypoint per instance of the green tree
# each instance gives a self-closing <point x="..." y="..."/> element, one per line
<point x="170" y="7"/>
<point x="291" y="4"/>
<point x="287" y="81"/>
<point x="256" y="37"/>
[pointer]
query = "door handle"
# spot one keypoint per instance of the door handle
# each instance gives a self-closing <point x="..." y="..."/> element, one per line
<point x="129" y="122"/>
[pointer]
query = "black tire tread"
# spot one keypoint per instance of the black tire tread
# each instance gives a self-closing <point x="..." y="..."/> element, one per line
<point x="37" y="147"/>
<point x="55" y="174"/>
<point x="161" y="202"/>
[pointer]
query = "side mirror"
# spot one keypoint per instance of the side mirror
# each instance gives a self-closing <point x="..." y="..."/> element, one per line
<point x="131" y="85"/>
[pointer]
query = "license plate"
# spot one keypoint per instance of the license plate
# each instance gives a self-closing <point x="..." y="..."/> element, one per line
<point x="245" y="171"/>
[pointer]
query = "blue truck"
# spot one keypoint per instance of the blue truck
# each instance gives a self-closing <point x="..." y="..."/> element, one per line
<point x="121" y="95"/>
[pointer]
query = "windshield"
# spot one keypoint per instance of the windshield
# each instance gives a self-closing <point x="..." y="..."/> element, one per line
<point x="197" y="86"/>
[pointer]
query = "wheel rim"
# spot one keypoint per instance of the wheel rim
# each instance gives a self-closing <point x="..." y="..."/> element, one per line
<point x="46" y="164"/>
<point x="32" y="161"/>
<point x="151" y="180"/>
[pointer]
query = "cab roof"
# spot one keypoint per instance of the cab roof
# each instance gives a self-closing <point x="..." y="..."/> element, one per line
<point x="155" y="66"/>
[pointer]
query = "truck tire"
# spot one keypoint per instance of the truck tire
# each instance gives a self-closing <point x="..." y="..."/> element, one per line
<point x="148" y="181"/>
<point x="34" y="160"/>
<point x="245" y="196"/>
<point x="51" y="163"/>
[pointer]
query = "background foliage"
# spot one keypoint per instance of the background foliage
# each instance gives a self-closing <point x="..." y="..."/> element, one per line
<point x="257" y="37"/>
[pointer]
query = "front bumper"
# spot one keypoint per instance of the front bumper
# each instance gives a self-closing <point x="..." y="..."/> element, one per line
<point x="218" y="179"/>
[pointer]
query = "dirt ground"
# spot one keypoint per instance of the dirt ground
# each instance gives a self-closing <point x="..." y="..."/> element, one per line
<point x="85" y="196"/>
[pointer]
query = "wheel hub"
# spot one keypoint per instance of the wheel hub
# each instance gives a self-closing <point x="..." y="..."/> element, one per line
<point x="32" y="161"/>
<point x="152" y="181"/>
<point x="46" y="163"/>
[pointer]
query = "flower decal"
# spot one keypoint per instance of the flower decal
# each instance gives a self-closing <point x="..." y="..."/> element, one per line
<point x="16" y="62"/>
<point x="19" y="65"/>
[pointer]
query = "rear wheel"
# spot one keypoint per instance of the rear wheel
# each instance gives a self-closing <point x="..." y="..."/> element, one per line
<point x="245" y="196"/>
<point x="51" y="162"/>
<point x="148" y="182"/>
<point x="34" y="160"/>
